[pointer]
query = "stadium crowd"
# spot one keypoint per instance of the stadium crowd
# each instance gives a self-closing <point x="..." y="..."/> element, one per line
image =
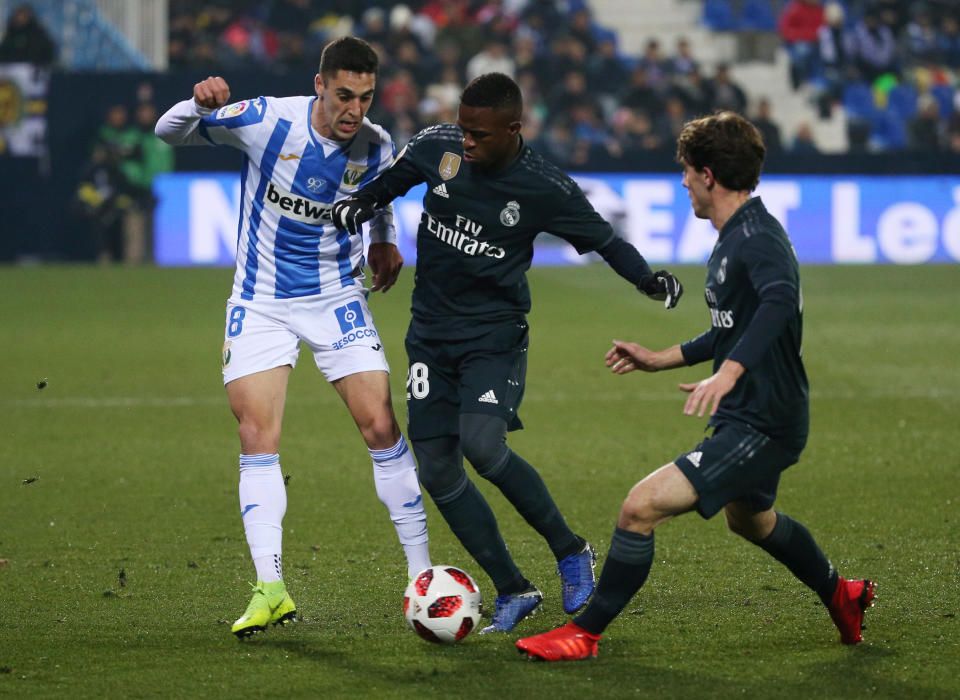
<point x="893" y="64"/>
<point x="587" y="102"/>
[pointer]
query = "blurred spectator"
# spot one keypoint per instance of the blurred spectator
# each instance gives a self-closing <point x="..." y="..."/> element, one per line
<point x="117" y="135"/>
<point x="803" y="141"/>
<point x="834" y="57"/>
<point x="606" y="71"/>
<point x="640" y="95"/>
<point x="953" y="133"/>
<point x="568" y="93"/>
<point x="925" y="126"/>
<point x="633" y="129"/>
<point x="670" y="123"/>
<point x="26" y="40"/>
<point x="683" y="61"/>
<point x="799" y="24"/>
<point x="695" y="92"/>
<point x="873" y="47"/>
<point x="654" y="64"/>
<point x="726" y="94"/>
<point x="101" y="200"/>
<point x="493" y="59"/>
<point x="373" y="26"/>
<point x="581" y="28"/>
<point x="446" y="91"/>
<point x="948" y="42"/>
<point x="921" y="41"/>
<point x="138" y="156"/>
<point x="151" y="158"/>
<point x="768" y="128"/>
<point x="399" y="92"/>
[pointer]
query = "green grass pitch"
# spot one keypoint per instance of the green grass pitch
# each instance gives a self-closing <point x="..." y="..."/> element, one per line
<point x="130" y="453"/>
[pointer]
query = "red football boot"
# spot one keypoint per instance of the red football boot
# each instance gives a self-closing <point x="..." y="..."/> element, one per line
<point x="567" y="643"/>
<point x="848" y="605"/>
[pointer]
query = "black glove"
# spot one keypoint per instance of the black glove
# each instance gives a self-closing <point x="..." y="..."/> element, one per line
<point x="662" y="286"/>
<point x="351" y="213"/>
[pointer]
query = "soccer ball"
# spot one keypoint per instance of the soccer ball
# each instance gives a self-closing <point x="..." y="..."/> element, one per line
<point x="442" y="604"/>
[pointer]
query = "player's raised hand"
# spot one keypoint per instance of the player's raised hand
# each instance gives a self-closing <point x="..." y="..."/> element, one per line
<point x="625" y="357"/>
<point x="662" y="286"/>
<point x="212" y="92"/>
<point x="351" y="213"/>
<point x="385" y="262"/>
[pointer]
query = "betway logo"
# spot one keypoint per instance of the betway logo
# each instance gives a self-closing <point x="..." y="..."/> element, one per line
<point x="461" y="241"/>
<point x="296" y="207"/>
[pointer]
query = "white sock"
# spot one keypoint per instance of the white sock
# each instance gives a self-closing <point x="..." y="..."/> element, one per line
<point x="395" y="477"/>
<point x="263" y="502"/>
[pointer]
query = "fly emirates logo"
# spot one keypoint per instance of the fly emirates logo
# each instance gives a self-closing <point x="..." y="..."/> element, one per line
<point x="463" y="240"/>
<point x="298" y="208"/>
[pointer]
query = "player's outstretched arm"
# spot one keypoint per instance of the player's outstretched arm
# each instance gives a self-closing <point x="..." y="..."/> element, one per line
<point x="626" y="357"/>
<point x="662" y="286"/>
<point x="178" y="125"/>
<point x="627" y="262"/>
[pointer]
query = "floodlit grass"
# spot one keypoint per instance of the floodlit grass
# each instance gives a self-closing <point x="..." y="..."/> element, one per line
<point x="134" y="454"/>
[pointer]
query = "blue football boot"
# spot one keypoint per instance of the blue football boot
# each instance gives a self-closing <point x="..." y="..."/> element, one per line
<point x="510" y="609"/>
<point x="577" y="580"/>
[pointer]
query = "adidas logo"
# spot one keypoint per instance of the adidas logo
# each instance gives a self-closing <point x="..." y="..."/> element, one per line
<point x="441" y="190"/>
<point x="694" y="458"/>
<point x="488" y="397"/>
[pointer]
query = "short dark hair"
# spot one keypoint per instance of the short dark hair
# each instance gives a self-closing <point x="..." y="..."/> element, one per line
<point x="726" y="143"/>
<point x="348" y="53"/>
<point x="494" y="90"/>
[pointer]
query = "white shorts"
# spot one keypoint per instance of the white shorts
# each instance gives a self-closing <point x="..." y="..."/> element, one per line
<point x="263" y="334"/>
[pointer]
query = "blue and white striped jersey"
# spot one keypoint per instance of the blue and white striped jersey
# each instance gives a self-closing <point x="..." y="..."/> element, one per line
<point x="287" y="245"/>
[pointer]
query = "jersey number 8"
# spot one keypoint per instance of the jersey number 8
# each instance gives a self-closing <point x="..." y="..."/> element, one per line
<point x="418" y="380"/>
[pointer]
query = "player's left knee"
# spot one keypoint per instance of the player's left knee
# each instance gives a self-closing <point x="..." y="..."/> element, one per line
<point x="750" y="526"/>
<point x="639" y="512"/>
<point x="380" y="432"/>
<point x="483" y="440"/>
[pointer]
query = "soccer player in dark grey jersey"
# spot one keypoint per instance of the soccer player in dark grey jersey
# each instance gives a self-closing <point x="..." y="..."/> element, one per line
<point x="488" y="196"/>
<point x="756" y="397"/>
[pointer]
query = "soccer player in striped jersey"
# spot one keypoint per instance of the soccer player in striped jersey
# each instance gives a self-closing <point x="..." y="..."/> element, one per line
<point x="300" y="279"/>
<point x="757" y="399"/>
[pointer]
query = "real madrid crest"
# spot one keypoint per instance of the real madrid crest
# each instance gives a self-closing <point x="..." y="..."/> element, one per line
<point x="722" y="272"/>
<point x="510" y="214"/>
<point x="449" y="165"/>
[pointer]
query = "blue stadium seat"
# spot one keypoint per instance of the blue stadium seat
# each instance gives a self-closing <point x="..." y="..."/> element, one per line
<point x="758" y="16"/>
<point x="858" y="101"/>
<point x="890" y="130"/>
<point x="944" y="97"/>
<point x="719" y="16"/>
<point x="902" y="101"/>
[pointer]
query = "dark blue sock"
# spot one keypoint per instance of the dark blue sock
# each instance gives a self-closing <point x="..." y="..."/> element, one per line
<point x="792" y="545"/>
<point x="469" y="516"/>
<point x="624" y="572"/>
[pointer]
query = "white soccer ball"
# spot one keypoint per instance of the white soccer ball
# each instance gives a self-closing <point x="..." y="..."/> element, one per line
<point x="442" y="604"/>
